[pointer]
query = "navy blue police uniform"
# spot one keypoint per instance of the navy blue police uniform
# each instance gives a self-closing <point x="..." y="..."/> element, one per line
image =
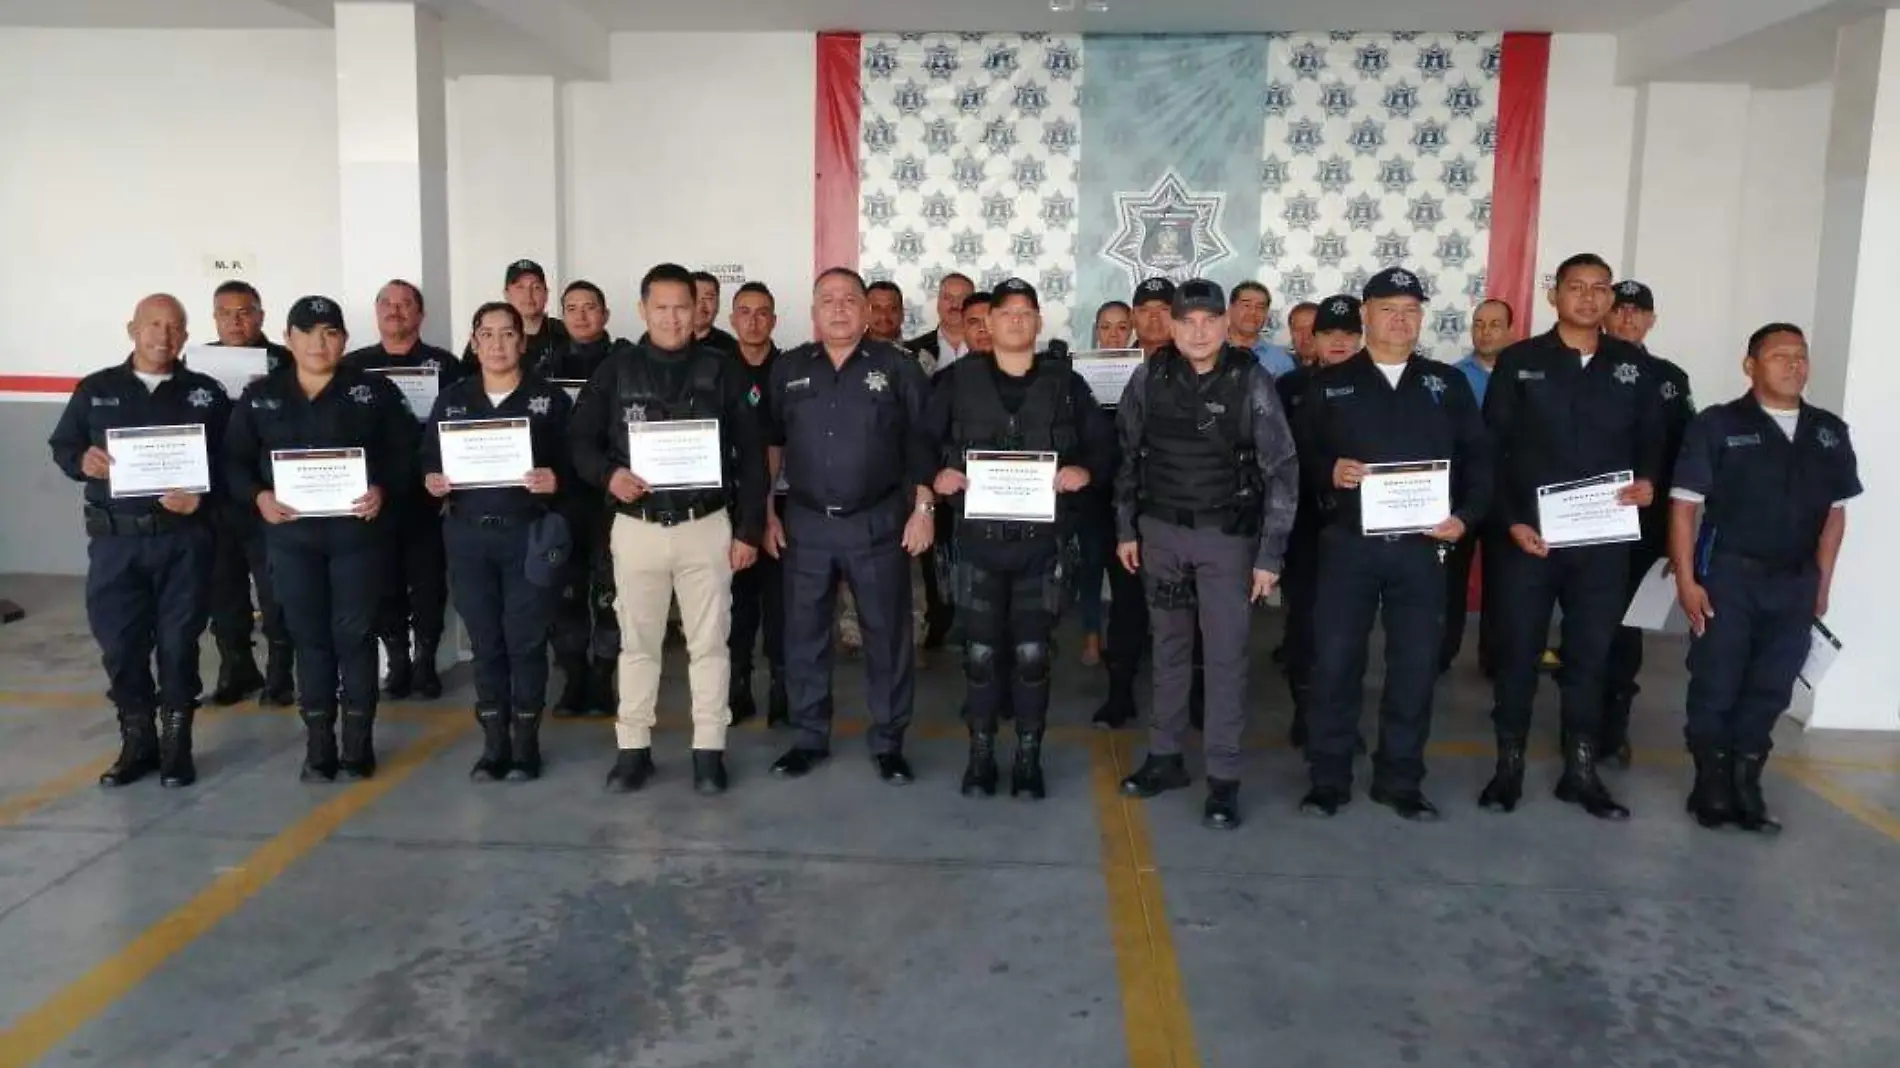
<point x="330" y="571"/>
<point x="586" y="637"/>
<point x="487" y="533"/>
<point x="148" y="574"/>
<point x="855" y="450"/>
<point x="544" y="345"/>
<point x="1766" y="490"/>
<point x="758" y="592"/>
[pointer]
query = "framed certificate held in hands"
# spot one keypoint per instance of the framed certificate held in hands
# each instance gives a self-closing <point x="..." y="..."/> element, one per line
<point x="151" y="461"/>
<point x="486" y="453"/>
<point x="316" y="483"/>
<point x="1405" y="498"/>
<point x="677" y="454"/>
<point x="1010" y="487"/>
<point x="1586" y="512"/>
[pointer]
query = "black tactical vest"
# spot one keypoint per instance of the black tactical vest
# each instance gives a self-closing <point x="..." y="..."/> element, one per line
<point x="1197" y="451"/>
<point x="640" y="400"/>
<point x="1045" y="422"/>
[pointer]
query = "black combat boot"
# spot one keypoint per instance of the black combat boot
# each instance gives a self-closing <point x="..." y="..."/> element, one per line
<point x="401" y="677"/>
<point x="138" y="749"/>
<point x="1025" y="775"/>
<point x="238" y="676"/>
<point x="1580" y="785"/>
<point x="496" y="750"/>
<point x="1506" y="787"/>
<point x="319" y="754"/>
<point x="1751" y="810"/>
<point x="778" y="707"/>
<point x="709" y="771"/>
<point x="1221" y="812"/>
<point x="1712" y="799"/>
<point x="357" y="755"/>
<point x="632" y="768"/>
<point x="428" y="683"/>
<point x="573" y="699"/>
<point x="280" y="684"/>
<point x="175" y="767"/>
<point x="526" y="766"/>
<point x="1156" y="775"/>
<point x="980" y="774"/>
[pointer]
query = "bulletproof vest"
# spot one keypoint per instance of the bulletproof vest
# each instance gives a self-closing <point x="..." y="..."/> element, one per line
<point x="1771" y="496"/>
<point x="641" y="400"/>
<point x="1197" y="451"/>
<point x="1045" y="421"/>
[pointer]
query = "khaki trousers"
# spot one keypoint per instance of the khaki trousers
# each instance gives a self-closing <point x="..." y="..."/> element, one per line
<point x="652" y="565"/>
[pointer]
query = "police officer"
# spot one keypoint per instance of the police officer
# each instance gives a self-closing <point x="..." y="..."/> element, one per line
<point x="1570" y="404"/>
<point x="417" y="593"/>
<point x="1204" y="501"/>
<point x="706" y="312"/>
<point x="1490" y="334"/>
<point x="673" y="541"/>
<point x="1771" y="476"/>
<point x="149" y="558"/>
<point x="1010" y="572"/>
<point x="238" y="313"/>
<point x="1114" y="325"/>
<point x="329" y="569"/>
<point x="1299" y="328"/>
<point x="945" y="345"/>
<point x="1333" y="336"/>
<point x="1384" y="405"/>
<point x="884" y="318"/>
<point x="525" y="288"/>
<point x="489" y="531"/>
<point x="847" y="419"/>
<point x="1632" y="316"/>
<point x="586" y="637"/>
<point x="758" y="592"/>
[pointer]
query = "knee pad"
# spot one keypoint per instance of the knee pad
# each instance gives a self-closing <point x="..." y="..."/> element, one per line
<point x="979" y="663"/>
<point x="1032" y="662"/>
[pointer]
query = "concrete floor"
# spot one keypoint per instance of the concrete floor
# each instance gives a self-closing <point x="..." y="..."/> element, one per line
<point x="836" y="922"/>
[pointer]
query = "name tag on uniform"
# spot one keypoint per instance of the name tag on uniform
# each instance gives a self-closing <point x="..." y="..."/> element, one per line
<point x="1530" y="376"/>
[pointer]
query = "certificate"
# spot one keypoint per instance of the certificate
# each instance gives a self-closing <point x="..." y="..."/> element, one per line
<point x="677" y="454"/>
<point x="485" y="453"/>
<point x="151" y="461"/>
<point x="1107" y="372"/>
<point x="1013" y="487"/>
<point x="234" y="368"/>
<point x="1823" y="648"/>
<point x="1406" y="498"/>
<point x="572" y="386"/>
<point x="1655" y="605"/>
<point x="419" y="386"/>
<point x="319" y="482"/>
<point x="1585" y="512"/>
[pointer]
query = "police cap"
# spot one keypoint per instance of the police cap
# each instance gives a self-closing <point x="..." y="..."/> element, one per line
<point x="1633" y="293"/>
<point x="1152" y="289"/>
<point x="1199" y="294"/>
<point x="1016" y="287"/>
<point x="311" y="312"/>
<point x="1395" y="282"/>
<point x="1338" y="312"/>
<point x="521" y="267"/>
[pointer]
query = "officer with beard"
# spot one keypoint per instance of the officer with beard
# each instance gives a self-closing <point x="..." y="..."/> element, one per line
<point x="1009" y="574"/>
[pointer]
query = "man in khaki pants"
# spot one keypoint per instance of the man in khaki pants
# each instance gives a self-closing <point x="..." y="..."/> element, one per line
<point x="665" y="428"/>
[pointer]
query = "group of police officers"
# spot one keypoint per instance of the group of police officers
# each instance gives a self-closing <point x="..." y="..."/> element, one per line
<point x="1226" y="468"/>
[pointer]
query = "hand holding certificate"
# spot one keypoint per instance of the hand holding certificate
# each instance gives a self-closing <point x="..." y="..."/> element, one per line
<point x="1588" y="512"/>
<point x="486" y="453"/>
<point x="1106" y="372"/>
<point x="151" y="461"/>
<point x="1404" y="498"/>
<point x="1015" y="487"/>
<point x="314" y="483"/>
<point x="676" y="454"/>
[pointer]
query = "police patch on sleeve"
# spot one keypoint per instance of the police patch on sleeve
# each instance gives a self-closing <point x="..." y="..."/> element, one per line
<point x="538" y="405"/>
<point x="199" y="398"/>
<point x="362" y="394"/>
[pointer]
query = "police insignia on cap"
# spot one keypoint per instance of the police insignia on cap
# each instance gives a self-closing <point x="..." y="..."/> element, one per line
<point x="1153" y="284"/>
<point x="319" y="305"/>
<point x="1403" y="279"/>
<point x="1341" y="307"/>
<point x="1630" y="288"/>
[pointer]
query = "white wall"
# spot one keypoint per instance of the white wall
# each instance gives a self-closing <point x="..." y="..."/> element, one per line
<point x="505" y="189"/>
<point x="1589" y="123"/>
<point x="1783" y="189"/>
<point x="114" y="185"/>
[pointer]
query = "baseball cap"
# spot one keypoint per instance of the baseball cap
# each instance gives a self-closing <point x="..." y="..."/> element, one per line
<point x="1395" y="282"/>
<point x="311" y="312"/>
<point x="1338" y="312"/>
<point x="1199" y="294"/>
<point x="521" y="267"/>
<point x="1016" y="287"/>
<point x="1630" y="291"/>
<point x="1160" y="289"/>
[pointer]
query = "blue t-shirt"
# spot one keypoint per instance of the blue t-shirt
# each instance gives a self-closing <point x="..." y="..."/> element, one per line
<point x="1476" y="374"/>
<point x="1277" y="359"/>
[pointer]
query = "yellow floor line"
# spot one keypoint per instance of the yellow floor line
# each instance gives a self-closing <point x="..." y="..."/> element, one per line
<point x="1155" y="1016"/>
<point x="1823" y="786"/>
<point x="19" y="807"/>
<point x="45" y="1027"/>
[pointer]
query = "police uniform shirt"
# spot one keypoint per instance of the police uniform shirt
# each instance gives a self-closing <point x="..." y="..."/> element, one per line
<point x="1272" y="442"/>
<point x="116" y="398"/>
<point x="1672" y="390"/>
<point x="576" y="360"/>
<point x="1766" y="487"/>
<point x="546" y="408"/>
<point x="357" y="409"/>
<point x="1354" y="411"/>
<point x="718" y="339"/>
<point x="854" y="435"/>
<point x="1555" y="418"/>
<point x="377" y="358"/>
<point x="1094" y="445"/>
<point x="597" y="430"/>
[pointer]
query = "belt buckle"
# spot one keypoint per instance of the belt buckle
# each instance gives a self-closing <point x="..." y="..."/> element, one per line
<point x="834" y="511"/>
<point x="667" y="518"/>
<point x="488" y="521"/>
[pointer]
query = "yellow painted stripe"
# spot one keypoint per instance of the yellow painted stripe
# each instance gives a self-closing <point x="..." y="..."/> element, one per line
<point x="37" y="1033"/>
<point x="1824" y="786"/>
<point x="14" y="809"/>
<point x="1155" y="1018"/>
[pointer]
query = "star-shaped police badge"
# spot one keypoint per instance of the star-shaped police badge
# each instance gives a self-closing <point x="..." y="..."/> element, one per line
<point x="199" y="398"/>
<point x="1627" y="373"/>
<point x="538" y="405"/>
<point x="1168" y="231"/>
<point x="362" y="394"/>
<point x="1827" y="437"/>
<point x="1668" y="391"/>
<point x="876" y="382"/>
<point x="636" y="413"/>
<point x="1434" y="385"/>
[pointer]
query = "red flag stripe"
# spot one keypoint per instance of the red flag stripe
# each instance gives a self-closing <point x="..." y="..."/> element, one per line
<point x="1518" y="178"/>
<point x="840" y="108"/>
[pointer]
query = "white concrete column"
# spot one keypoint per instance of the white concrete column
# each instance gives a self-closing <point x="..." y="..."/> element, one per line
<point x="392" y="160"/>
<point x="1854" y="369"/>
<point x="507" y="185"/>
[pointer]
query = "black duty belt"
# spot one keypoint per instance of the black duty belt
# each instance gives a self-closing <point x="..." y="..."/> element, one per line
<point x="842" y="511"/>
<point x="101" y="523"/>
<point x="1182" y="517"/>
<point x="673" y="517"/>
<point x="1760" y="565"/>
<point x="494" y="519"/>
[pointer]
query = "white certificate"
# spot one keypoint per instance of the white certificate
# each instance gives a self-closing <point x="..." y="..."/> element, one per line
<point x="1017" y="487"/>
<point x="419" y="386"/>
<point x="1107" y="372"/>
<point x="1655" y="605"/>
<point x="319" y="482"/>
<point x="1823" y="648"/>
<point x="485" y="453"/>
<point x="234" y="368"/>
<point x="150" y="461"/>
<point x="1585" y="512"/>
<point x="572" y="386"/>
<point x="677" y="454"/>
<point x="1405" y="498"/>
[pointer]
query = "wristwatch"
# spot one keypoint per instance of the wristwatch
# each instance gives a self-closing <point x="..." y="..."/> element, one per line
<point x="927" y="508"/>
